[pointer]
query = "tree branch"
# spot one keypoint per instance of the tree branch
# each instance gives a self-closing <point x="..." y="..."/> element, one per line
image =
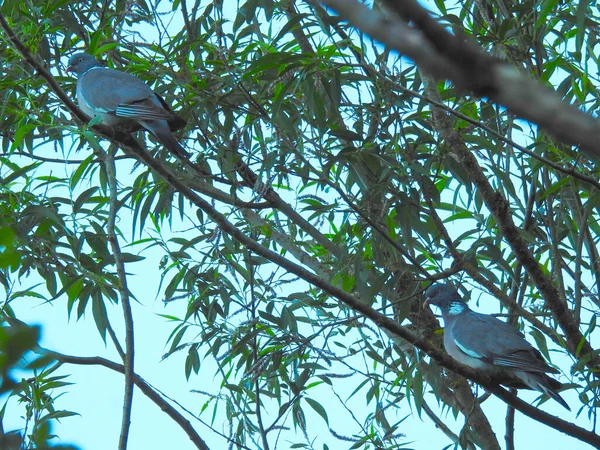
<point x="566" y="170"/>
<point x="142" y="385"/>
<point x="286" y="243"/>
<point x="128" y="360"/>
<point x="456" y="58"/>
<point x="510" y="427"/>
<point x="251" y="180"/>
<point x="439" y="423"/>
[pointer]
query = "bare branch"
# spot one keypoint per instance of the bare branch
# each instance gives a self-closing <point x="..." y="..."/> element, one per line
<point x="124" y="295"/>
<point x="142" y="385"/>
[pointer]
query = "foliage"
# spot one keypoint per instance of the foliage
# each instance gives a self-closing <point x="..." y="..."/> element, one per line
<point x="16" y="340"/>
<point x="335" y="153"/>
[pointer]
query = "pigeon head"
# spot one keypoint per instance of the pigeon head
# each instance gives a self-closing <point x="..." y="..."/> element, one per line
<point x="446" y="298"/>
<point x="81" y="62"/>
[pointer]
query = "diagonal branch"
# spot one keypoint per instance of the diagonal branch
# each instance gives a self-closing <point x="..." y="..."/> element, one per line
<point x="251" y="180"/>
<point x="142" y="385"/>
<point x="456" y="58"/>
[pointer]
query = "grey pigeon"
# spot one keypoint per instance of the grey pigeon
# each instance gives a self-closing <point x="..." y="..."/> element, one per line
<point x="121" y="99"/>
<point x="486" y="343"/>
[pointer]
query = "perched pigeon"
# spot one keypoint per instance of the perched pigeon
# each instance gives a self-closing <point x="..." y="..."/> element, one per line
<point x="486" y="343"/>
<point x="121" y="99"/>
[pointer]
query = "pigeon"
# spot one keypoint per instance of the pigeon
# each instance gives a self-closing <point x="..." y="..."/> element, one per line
<point x="483" y="342"/>
<point x="121" y="99"/>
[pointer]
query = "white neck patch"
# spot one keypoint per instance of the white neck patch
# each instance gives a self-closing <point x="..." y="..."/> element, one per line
<point x="456" y="308"/>
<point x="90" y="69"/>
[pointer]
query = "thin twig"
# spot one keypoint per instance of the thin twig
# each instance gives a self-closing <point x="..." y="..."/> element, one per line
<point x="141" y="384"/>
<point x="115" y="340"/>
<point x="510" y="426"/>
<point x="128" y="361"/>
<point x="255" y="352"/>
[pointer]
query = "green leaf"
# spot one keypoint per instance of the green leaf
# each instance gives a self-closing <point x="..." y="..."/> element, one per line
<point x="54" y="415"/>
<point x="100" y="314"/>
<point x="20" y="135"/>
<point x="318" y="409"/>
<point x="580" y="26"/>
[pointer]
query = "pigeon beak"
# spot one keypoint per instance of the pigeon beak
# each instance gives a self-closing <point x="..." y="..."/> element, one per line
<point x="70" y="69"/>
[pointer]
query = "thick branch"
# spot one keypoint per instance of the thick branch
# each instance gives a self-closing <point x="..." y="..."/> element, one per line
<point x="451" y="57"/>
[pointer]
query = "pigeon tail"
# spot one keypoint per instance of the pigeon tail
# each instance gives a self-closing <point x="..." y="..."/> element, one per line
<point x="171" y="144"/>
<point x="166" y="138"/>
<point x="543" y="383"/>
